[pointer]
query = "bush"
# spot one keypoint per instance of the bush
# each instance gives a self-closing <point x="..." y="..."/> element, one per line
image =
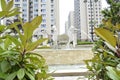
<point x="83" y="42"/>
<point x="17" y="59"/>
<point x="105" y="64"/>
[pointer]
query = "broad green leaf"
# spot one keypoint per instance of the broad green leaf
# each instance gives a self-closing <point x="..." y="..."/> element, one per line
<point x="112" y="73"/>
<point x="36" y="22"/>
<point x="35" y="54"/>
<point x="2" y="28"/>
<point x="3" y="5"/>
<point x="88" y="65"/>
<point x="7" y="42"/>
<point x="13" y="25"/>
<point x="5" y="66"/>
<point x="110" y="47"/>
<point x="15" y="41"/>
<point x="3" y="13"/>
<point x="35" y="44"/>
<point x="27" y="28"/>
<point x="3" y="76"/>
<point x="9" y="54"/>
<point x="21" y="74"/>
<point x="20" y="19"/>
<point x="44" y="47"/>
<point x="13" y="12"/>
<point x="106" y="35"/>
<point x="109" y="24"/>
<point x="29" y="75"/>
<point x="23" y="40"/>
<point x="31" y="71"/>
<point x="118" y="67"/>
<point x="117" y="26"/>
<point x="11" y="76"/>
<point x="36" y="60"/>
<point x="9" y="5"/>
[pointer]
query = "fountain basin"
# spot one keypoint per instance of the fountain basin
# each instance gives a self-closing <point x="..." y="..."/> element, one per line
<point x="65" y="57"/>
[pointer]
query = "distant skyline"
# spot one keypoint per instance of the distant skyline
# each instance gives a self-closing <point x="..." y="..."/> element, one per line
<point x="65" y="7"/>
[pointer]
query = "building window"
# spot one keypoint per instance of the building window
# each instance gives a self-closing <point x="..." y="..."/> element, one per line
<point x="43" y="25"/>
<point x="17" y="0"/>
<point x="44" y="20"/>
<point x="43" y="15"/>
<point x="17" y="5"/>
<point x="24" y="0"/>
<point x="52" y="6"/>
<point x="36" y="5"/>
<point x="24" y="10"/>
<point x="52" y="20"/>
<point x="43" y="10"/>
<point x="43" y="5"/>
<point x="36" y="10"/>
<point x="52" y="31"/>
<point x="52" y="16"/>
<point x="52" y="11"/>
<point x="43" y="0"/>
<point x="35" y="14"/>
<point x="24" y="5"/>
<point x="36" y="0"/>
<point x="52" y="1"/>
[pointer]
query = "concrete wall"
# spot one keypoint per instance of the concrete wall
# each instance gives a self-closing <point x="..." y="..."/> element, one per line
<point x="62" y="57"/>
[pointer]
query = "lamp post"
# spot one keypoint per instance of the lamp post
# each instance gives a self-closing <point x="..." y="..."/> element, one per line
<point x="91" y="22"/>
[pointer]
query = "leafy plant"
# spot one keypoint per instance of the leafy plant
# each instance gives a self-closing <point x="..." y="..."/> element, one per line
<point x="113" y="12"/>
<point x="104" y="64"/>
<point x="17" y="58"/>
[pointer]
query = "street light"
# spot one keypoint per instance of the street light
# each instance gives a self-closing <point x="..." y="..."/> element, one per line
<point x="91" y="21"/>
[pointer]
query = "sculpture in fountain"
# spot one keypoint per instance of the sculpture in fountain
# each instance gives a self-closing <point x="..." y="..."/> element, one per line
<point x="72" y="37"/>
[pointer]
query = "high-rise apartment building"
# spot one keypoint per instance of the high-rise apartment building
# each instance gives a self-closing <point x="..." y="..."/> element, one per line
<point x="66" y="27"/>
<point x="87" y="16"/>
<point x="49" y="9"/>
<point x="71" y="19"/>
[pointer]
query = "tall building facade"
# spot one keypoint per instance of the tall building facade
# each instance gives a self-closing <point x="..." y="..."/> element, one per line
<point x="66" y="27"/>
<point x="49" y="9"/>
<point x="71" y="19"/>
<point x="87" y="16"/>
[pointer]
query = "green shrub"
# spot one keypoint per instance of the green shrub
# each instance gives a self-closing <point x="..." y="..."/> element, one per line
<point x="83" y="42"/>
<point x="17" y="59"/>
<point x="106" y="61"/>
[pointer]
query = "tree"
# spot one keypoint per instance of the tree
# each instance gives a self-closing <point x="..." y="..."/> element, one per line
<point x="17" y="59"/>
<point x="113" y="13"/>
<point x="105" y="63"/>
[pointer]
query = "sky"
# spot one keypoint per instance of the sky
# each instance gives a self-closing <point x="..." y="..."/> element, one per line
<point x="65" y="7"/>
